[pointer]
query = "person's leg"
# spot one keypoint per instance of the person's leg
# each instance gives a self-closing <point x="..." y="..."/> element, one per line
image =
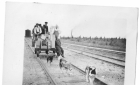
<point x="62" y="52"/>
<point x="36" y="37"/>
<point x="47" y="51"/>
<point x="58" y="51"/>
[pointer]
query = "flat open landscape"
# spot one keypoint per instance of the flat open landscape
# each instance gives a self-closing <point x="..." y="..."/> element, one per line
<point x="106" y="43"/>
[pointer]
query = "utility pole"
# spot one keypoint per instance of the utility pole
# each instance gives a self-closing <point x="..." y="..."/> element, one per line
<point x="71" y="33"/>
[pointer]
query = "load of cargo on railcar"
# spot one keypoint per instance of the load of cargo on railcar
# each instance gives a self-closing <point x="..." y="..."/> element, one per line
<point x="43" y="40"/>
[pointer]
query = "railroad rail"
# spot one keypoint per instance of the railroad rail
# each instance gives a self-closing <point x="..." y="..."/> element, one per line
<point x="99" y="82"/>
<point x="84" y="73"/>
<point x="99" y="57"/>
<point x="109" y="55"/>
<point x="43" y="67"/>
<point x="96" y="48"/>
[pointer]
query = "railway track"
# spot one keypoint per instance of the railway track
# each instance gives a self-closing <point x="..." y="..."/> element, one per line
<point x="73" y="66"/>
<point x="99" y="57"/>
<point x="111" y="60"/>
<point x="43" y="67"/>
<point x="104" y="53"/>
<point x="90" y="53"/>
<point x="99" y="52"/>
<point x="96" y="48"/>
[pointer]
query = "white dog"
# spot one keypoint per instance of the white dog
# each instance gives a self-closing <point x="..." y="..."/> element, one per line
<point x="90" y="74"/>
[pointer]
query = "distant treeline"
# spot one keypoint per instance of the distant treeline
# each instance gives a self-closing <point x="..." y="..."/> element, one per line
<point x="92" y="38"/>
<point x="119" y="42"/>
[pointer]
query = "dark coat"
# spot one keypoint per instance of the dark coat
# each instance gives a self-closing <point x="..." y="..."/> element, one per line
<point x="59" y="49"/>
<point x="43" y="29"/>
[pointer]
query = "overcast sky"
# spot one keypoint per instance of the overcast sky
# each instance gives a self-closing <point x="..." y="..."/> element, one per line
<point x="83" y="20"/>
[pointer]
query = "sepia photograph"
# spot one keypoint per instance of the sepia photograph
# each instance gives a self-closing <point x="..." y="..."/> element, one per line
<point x="73" y="44"/>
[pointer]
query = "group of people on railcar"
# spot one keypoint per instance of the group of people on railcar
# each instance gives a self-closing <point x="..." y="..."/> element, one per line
<point x="39" y="30"/>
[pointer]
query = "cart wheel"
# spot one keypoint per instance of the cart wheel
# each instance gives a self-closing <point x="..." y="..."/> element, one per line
<point x="37" y="54"/>
<point x="46" y="51"/>
<point x="35" y="51"/>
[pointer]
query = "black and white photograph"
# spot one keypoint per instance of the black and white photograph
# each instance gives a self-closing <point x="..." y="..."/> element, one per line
<point x="73" y="44"/>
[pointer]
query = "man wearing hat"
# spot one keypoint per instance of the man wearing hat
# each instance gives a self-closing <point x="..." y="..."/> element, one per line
<point x="36" y="30"/>
<point x="59" y="49"/>
<point x="45" y="28"/>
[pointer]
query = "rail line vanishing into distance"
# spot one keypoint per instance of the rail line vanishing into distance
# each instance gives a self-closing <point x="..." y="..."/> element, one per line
<point x="99" y="82"/>
<point x="96" y="48"/>
<point x="99" y="57"/>
<point x="43" y="67"/>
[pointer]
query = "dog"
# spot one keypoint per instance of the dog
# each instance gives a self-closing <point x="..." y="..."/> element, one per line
<point x="63" y="64"/>
<point x="50" y="56"/>
<point x="90" y="74"/>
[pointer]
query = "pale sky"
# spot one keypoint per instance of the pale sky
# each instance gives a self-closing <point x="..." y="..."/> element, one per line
<point x="83" y="20"/>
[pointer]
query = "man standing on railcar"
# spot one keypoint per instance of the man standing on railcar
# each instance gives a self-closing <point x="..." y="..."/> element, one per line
<point x="59" y="49"/>
<point x="45" y="28"/>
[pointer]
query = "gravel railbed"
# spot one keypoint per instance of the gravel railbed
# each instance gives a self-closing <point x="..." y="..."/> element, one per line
<point x="119" y="56"/>
<point x="89" y="43"/>
<point x="33" y="73"/>
<point x="108" y="73"/>
<point x="61" y="77"/>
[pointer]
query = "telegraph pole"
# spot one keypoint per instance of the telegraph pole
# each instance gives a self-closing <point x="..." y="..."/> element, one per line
<point x="71" y="33"/>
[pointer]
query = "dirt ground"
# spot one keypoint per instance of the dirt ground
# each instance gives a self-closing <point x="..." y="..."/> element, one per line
<point x="110" y="74"/>
<point x="120" y="56"/>
<point x="63" y="77"/>
<point x="120" y="46"/>
<point x="33" y="73"/>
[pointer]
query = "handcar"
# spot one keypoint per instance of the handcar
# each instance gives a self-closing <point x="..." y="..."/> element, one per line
<point x="44" y="43"/>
